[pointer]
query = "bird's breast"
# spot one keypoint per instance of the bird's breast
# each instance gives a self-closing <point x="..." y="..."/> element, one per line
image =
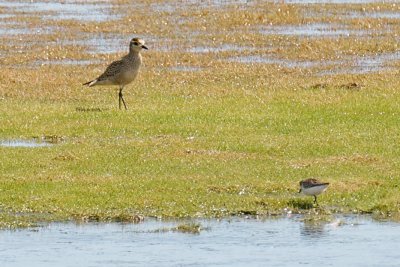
<point x="129" y="75"/>
<point x="314" y="190"/>
<point x="131" y="69"/>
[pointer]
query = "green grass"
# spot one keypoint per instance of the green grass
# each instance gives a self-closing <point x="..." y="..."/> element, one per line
<point x="173" y="156"/>
<point x="229" y="139"/>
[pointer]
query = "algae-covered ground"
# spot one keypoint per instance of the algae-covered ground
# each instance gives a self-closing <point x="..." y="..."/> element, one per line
<point x="235" y="104"/>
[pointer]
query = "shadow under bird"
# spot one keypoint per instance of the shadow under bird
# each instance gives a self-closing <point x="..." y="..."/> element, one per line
<point x="312" y="187"/>
<point x="122" y="72"/>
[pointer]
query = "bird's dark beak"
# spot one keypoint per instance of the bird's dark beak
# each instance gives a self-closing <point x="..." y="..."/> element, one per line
<point x="145" y="47"/>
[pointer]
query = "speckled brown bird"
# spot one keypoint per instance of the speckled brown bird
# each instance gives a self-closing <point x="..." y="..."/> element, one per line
<point x="122" y="72"/>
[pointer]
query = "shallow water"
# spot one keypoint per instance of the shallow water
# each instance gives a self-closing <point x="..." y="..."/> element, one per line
<point x="8" y="29"/>
<point x="353" y="64"/>
<point x="367" y="64"/>
<point x="102" y="44"/>
<point x="281" y="62"/>
<point x="23" y="143"/>
<point x="106" y="43"/>
<point x="346" y="241"/>
<point x="67" y="62"/>
<point x="218" y="49"/>
<point x="185" y="68"/>
<point x="114" y="43"/>
<point x="62" y="11"/>
<point x="313" y="30"/>
<point x="377" y="15"/>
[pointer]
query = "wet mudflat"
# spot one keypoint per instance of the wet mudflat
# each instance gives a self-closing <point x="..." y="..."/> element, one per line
<point x="343" y="241"/>
<point x="86" y="28"/>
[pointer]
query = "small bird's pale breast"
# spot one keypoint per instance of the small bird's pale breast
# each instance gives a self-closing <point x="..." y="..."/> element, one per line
<point x="314" y="190"/>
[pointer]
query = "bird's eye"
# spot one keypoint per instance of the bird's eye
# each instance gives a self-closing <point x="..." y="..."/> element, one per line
<point x="135" y="43"/>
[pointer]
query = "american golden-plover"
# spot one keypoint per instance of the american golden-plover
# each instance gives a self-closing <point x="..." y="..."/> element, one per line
<point x="123" y="71"/>
<point x="312" y="187"/>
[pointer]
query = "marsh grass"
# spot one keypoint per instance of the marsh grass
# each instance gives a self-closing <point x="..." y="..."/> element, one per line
<point x="191" y="228"/>
<point x="229" y="139"/>
<point x="185" y="228"/>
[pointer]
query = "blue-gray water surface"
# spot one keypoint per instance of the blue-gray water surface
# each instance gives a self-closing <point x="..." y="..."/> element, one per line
<point x="345" y="241"/>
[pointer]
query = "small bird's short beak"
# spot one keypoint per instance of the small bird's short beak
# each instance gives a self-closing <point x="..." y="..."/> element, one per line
<point x="145" y="47"/>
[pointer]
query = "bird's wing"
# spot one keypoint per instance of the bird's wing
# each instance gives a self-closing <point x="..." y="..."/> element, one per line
<point x="315" y="182"/>
<point x="113" y="69"/>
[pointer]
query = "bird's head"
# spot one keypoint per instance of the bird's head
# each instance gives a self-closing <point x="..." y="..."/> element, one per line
<point x="136" y="45"/>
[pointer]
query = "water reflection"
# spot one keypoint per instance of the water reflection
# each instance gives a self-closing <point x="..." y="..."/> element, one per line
<point x="312" y="229"/>
<point x="233" y="242"/>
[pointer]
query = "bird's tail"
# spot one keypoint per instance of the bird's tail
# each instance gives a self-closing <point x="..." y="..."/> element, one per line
<point x="90" y="83"/>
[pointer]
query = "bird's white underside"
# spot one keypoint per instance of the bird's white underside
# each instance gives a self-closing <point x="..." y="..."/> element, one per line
<point x="315" y="190"/>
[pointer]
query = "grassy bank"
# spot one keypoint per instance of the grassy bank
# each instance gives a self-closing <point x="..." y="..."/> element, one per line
<point x="181" y="154"/>
<point x="227" y="139"/>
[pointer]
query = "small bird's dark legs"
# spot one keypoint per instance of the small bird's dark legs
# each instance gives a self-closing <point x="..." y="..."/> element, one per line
<point x="121" y="99"/>
<point x="315" y="200"/>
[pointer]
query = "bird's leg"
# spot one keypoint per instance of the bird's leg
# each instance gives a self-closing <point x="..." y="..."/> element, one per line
<point x="121" y="98"/>
<point x="315" y="200"/>
<point x="123" y="101"/>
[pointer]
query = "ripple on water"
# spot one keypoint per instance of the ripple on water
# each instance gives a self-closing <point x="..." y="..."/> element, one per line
<point x="342" y="241"/>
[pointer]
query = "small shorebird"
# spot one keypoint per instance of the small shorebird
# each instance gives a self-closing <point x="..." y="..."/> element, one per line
<point x="312" y="187"/>
<point x="123" y="71"/>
